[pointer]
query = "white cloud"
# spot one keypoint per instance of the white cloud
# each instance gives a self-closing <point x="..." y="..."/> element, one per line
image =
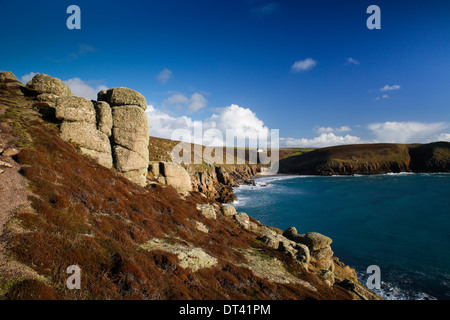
<point x="163" y="125"/>
<point x="243" y="122"/>
<point x="164" y="75"/>
<point x="83" y="89"/>
<point x="178" y="100"/>
<point x="390" y="88"/>
<point x="329" y="129"/>
<point x="407" y="132"/>
<point x="303" y="65"/>
<point x="25" y="78"/>
<point x="384" y="96"/>
<point x="352" y="61"/>
<point x="197" y="102"/>
<point x="444" y="137"/>
<point x="323" y="140"/>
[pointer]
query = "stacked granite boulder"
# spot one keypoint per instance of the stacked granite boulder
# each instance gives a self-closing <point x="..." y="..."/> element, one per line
<point x="49" y="89"/>
<point x="171" y="174"/>
<point x="79" y="126"/>
<point x="317" y="244"/>
<point x="130" y="131"/>
<point x="113" y="130"/>
<point x="9" y="82"/>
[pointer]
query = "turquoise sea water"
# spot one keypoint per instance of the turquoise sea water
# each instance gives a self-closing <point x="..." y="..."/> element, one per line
<point x="400" y="222"/>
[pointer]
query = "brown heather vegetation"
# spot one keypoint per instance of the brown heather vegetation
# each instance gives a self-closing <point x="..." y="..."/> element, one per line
<point x="81" y="213"/>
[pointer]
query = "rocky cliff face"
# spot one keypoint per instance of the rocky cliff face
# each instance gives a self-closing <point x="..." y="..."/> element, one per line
<point x="217" y="182"/>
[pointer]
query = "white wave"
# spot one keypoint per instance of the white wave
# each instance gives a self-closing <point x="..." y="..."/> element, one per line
<point x="390" y="291"/>
<point x="266" y="180"/>
<point x="399" y="173"/>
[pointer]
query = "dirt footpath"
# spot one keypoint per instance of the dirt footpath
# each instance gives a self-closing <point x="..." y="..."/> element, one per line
<point x="13" y="194"/>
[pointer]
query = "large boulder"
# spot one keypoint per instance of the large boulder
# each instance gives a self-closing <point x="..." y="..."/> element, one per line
<point x="138" y="176"/>
<point x="122" y="97"/>
<point x="80" y="128"/>
<point x="44" y="83"/>
<point x="128" y="160"/>
<point x="313" y="240"/>
<point x="175" y="176"/>
<point x="75" y="109"/>
<point x="290" y="232"/>
<point x="130" y="129"/>
<point x="8" y="81"/>
<point x="243" y="220"/>
<point x="312" y="245"/>
<point x="89" y="141"/>
<point x="7" y="76"/>
<point x="229" y="211"/>
<point x="207" y="211"/>
<point x="104" y="117"/>
<point x="303" y="255"/>
<point x="50" y="98"/>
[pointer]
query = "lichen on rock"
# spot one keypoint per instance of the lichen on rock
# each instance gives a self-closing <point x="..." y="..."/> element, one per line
<point x="44" y="83"/>
<point x="189" y="257"/>
<point x="171" y="174"/>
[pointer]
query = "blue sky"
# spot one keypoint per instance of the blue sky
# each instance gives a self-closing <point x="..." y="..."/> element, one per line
<point x="311" y="69"/>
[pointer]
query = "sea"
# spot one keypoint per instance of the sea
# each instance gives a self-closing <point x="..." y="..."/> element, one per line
<point x="398" y="222"/>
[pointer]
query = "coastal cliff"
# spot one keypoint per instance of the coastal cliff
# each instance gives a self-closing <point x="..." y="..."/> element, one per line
<point x="370" y="159"/>
<point x="215" y="181"/>
<point x="81" y="200"/>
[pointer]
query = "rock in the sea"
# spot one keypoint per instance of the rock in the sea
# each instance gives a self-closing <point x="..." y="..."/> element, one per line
<point x="122" y="97"/>
<point x="44" y="83"/>
<point x="104" y="117"/>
